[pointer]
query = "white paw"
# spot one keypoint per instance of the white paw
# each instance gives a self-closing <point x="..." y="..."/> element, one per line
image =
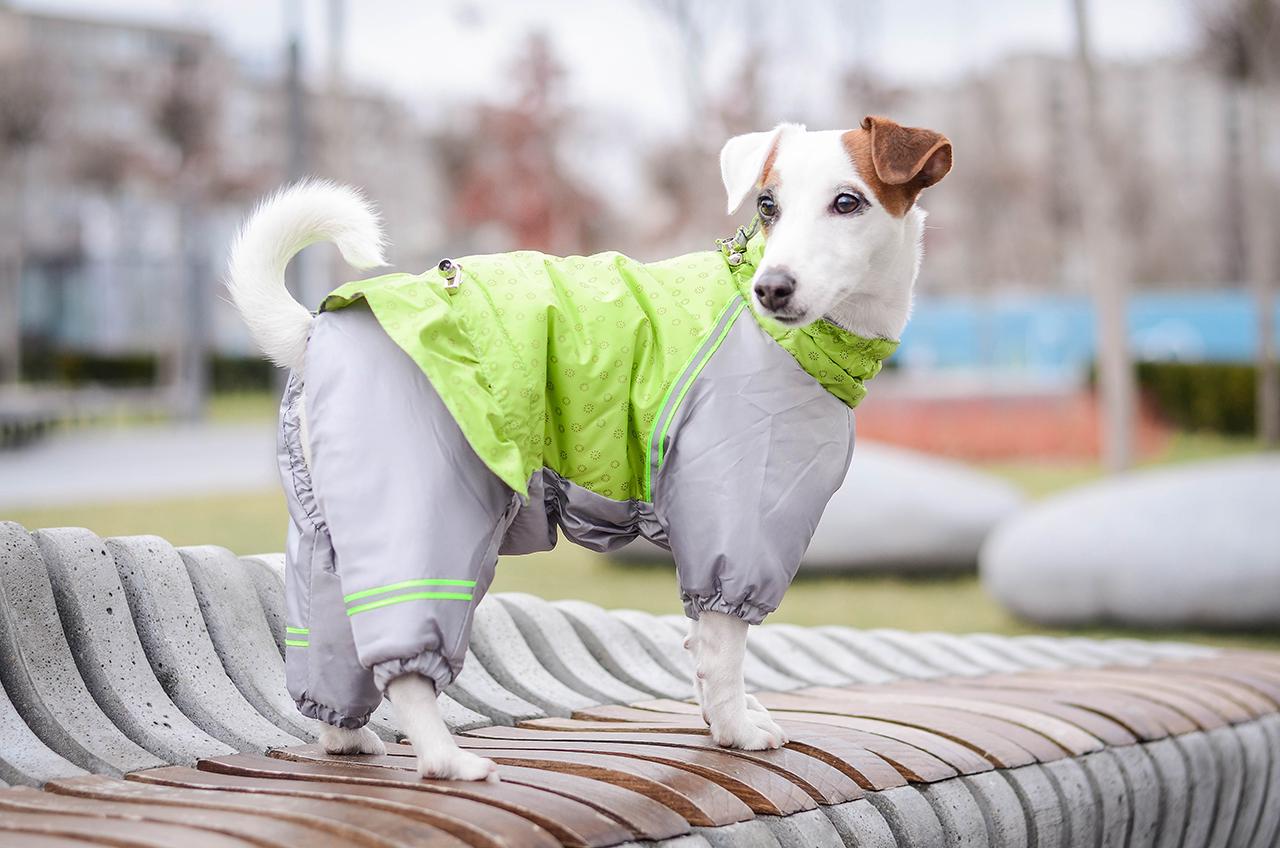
<point x="754" y="705"/>
<point x="458" y="765"/>
<point x="339" y="740"/>
<point x="743" y="733"/>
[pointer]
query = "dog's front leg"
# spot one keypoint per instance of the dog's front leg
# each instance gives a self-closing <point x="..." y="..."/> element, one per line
<point x="413" y="697"/>
<point x="737" y="720"/>
<point x="691" y="645"/>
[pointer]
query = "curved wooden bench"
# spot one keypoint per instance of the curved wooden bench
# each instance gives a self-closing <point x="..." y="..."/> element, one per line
<point x="896" y="739"/>
<point x="611" y="775"/>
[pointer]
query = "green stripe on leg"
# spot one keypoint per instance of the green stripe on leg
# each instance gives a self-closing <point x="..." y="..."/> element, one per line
<point x="407" y="584"/>
<point x="413" y="596"/>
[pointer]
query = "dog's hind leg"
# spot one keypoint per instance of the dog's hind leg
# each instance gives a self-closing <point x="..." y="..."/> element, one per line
<point x="415" y="518"/>
<point x="340" y="740"/>
<point x="413" y="697"/>
<point x="737" y="720"/>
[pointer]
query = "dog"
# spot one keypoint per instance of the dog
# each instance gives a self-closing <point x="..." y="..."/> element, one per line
<point x="433" y="421"/>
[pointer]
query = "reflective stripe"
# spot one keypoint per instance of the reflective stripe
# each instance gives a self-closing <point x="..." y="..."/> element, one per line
<point x="406" y="584"/>
<point x="413" y="596"/>
<point x="675" y="394"/>
<point x="301" y="631"/>
<point x="297" y="643"/>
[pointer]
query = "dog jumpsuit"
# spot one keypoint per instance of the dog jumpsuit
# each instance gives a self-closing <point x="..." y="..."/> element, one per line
<point x="484" y="406"/>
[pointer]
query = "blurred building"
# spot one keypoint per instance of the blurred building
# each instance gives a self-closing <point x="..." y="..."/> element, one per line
<point x="146" y="133"/>
<point x="138" y="120"/>
<point x="1007" y="216"/>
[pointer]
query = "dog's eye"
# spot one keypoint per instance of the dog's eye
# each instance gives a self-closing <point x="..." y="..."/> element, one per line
<point x="846" y="203"/>
<point x="766" y="207"/>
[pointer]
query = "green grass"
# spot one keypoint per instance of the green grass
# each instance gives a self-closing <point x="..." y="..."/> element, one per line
<point x="240" y="407"/>
<point x="1046" y="477"/>
<point x="248" y="523"/>
<point x="254" y="523"/>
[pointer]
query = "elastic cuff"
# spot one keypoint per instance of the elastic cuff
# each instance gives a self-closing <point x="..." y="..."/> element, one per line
<point x="330" y="716"/>
<point x="751" y="613"/>
<point x="430" y="664"/>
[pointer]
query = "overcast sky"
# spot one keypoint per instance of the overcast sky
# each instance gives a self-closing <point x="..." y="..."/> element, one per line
<point x="619" y="52"/>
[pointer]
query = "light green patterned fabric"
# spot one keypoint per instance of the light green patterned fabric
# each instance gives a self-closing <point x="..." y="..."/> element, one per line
<point x="568" y="362"/>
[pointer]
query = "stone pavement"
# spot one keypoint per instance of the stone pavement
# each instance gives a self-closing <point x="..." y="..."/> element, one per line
<point x="100" y="464"/>
<point x="129" y="657"/>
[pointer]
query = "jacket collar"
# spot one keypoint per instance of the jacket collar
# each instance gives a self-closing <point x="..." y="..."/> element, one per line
<point x="839" y="360"/>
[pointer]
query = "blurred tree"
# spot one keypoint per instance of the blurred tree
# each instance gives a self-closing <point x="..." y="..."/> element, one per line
<point x="186" y="117"/>
<point x="1107" y="262"/>
<point x="1242" y="38"/>
<point x="26" y="95"/>
<point x="693" y="24"/>
<point x="516" y="179"/>
<point x="683" y="168"/>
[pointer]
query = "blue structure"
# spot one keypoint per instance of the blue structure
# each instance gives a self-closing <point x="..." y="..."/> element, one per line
<point x="1055" y="336"/>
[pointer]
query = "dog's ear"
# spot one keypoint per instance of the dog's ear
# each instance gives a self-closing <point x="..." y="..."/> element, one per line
<point x="743" y="161"/>
<point x="912" y="157"/>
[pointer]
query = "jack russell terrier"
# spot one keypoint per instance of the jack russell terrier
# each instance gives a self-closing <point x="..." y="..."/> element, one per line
<point x="434" y="421"/>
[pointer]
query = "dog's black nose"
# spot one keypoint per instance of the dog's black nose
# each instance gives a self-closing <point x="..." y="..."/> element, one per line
<point x="774" y="287"/>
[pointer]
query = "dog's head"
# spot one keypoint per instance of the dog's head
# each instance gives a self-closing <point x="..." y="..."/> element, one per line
<point x="838" y="211"/>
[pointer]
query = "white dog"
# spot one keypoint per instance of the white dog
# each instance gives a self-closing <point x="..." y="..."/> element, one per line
<point x="434" y="421"/>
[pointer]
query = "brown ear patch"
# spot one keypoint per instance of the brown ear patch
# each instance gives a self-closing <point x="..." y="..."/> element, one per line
<point x="767" y="171"/>
<point x="897" y="162"/>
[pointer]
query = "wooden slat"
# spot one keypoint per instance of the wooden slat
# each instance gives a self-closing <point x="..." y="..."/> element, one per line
<point x="1109" y="731"/>
<point x="1194" y="699"/>
<point x="1004" y="744"/>
<point x="700" y="801"/>
<point x="35" y="840"/>
<point x="874" y="766"/>
<point x="1249" y="689"/>
<point x="962" y="759"/>
<point x="95" y="831"/>
<point x="517" y="812"/>
<point x="1066" y="737"/>
<point x="1146" y="720"/>
<point x="329" y="807"/>
<point x="760" y="788"/>
<point x="921" y="756"/>
<point x="260" y="827"/>
<point x="1197" y="705"/>
<point x="640" y="814"/>
<point x="821" y="781"/>
<point x="570" y="821"/>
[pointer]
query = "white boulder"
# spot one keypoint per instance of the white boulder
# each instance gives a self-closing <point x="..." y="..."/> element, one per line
<point x="904" y="511"/>
<point x="1197" y="545"/>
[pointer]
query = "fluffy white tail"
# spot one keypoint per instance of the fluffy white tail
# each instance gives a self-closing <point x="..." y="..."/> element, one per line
<point x="282" y="225"/>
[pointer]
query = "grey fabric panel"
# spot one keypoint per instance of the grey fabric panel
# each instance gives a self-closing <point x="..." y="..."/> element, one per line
<point x="532" y="529"/>
<point x="586" y="518"/>
<point x="732" y="312"/>
<point x="404" y="497"/>
<point x="755" y="452"/>
<point x="325" y="677"/>
<point x="594" y="521"/>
